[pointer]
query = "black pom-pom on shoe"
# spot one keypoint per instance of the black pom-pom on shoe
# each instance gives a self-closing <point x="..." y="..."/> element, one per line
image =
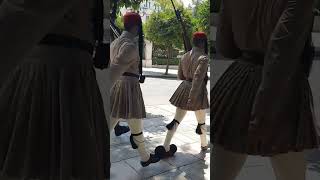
<point x="161" y="152"/>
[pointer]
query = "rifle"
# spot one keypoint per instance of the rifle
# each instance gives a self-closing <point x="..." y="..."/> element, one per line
<point x="186" y="39"/>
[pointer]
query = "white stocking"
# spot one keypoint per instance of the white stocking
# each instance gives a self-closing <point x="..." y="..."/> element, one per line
<point x="180" y="113"/>
<point x="201" y="118"/>
<point x="136" y="127"/>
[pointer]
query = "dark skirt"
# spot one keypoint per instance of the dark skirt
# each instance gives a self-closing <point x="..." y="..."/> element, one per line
<point x="181" y="95"/>
<point x="126" y="99"/>
<point x="232" y="99"/>
<point x="52" y="122"/>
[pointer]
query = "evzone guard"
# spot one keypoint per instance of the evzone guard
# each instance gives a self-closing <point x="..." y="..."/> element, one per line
<point x="126" y="96"/>
<point x="191" y="95"/>
<point x="53" y="124"/>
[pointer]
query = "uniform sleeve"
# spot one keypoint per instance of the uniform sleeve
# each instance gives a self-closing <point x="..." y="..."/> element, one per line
<point x="283" y="57"/>
<point x="225" y="40"/>
<point x="127" y="55"/>
<point x="23" y="24"/>
<point x="180" y="69"/>
<point x="198" y="77"/>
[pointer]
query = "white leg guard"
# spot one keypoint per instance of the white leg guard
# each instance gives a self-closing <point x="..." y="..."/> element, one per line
<point x="136" y="129"/>
<point x="201" y="128"/>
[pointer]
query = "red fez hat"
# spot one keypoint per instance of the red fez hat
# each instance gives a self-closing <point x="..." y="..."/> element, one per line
<point x="131" y="18"/>
<point x="199" y="35"/>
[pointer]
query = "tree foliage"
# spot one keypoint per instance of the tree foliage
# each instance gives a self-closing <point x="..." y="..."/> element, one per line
<point x="127" y="3"/>
<point x="201" y="19"/>
<point x="163" y="28"/>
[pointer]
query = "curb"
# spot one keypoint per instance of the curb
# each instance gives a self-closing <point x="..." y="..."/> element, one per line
<point x="170" y="76"/>
<point x="162" y="76"/>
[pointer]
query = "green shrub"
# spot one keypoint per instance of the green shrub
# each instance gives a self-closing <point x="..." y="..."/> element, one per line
<point x="163" y="61"/>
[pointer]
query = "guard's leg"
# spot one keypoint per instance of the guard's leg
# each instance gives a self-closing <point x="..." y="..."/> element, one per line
<point x="168" y="150"/>
<point x="289" y="166"/>
<point x="226" y="164"/>
<point x="201" y="128"/>
<point x="137" y="142"/>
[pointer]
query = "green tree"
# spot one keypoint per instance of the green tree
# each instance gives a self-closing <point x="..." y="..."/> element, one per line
<point x="116" y="5"/>
<point x="164" y="30"/>
<point x="201" y="21"/>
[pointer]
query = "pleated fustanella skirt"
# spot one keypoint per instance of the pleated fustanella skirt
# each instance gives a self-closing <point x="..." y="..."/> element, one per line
<point x="52" y="124"/>
<point x="232" y="99"/>
<point x="181" y="95"/>
<point x="126" y="99"/>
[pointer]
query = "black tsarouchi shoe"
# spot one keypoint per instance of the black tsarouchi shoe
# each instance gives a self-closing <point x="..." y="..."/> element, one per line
<point x="161" y="152"/>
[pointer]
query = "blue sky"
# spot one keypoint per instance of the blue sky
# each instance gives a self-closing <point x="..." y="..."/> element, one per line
<point x="186" y="2"/>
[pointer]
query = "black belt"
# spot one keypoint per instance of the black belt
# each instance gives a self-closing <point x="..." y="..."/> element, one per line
<point x="67" y="42"/>
<point x="253" y="57"/>
<point x="131" y="75"/>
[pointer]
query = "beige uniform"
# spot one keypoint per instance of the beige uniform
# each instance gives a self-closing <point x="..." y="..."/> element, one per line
<point x="126" y="96"/>
<point x="52" y="123"/>
<point x="193" y="68"/>
<point x="266" y="39"/>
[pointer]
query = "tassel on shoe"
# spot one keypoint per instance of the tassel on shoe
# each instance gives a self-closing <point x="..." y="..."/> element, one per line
<point x="198" y="130"/>
<point x="170" y="125"/>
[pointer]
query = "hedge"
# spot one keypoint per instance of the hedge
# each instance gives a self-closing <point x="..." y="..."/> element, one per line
<point x="163" y="61"/>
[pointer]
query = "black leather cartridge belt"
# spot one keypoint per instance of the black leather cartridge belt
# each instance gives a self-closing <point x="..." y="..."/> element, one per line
<point x="131" y="75"/>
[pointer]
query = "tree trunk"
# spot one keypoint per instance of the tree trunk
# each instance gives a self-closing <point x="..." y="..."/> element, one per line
<point x="168" y="58"/>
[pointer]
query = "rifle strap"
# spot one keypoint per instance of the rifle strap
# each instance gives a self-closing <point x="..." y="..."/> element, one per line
<point x="140" y="64"/>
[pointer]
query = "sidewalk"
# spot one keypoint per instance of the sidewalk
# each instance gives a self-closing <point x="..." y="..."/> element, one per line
<point x="159" y="73"/>
<point x="188" y="163"/>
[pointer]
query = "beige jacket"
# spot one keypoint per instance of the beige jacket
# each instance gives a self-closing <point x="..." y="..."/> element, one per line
<point x="124" y="56"/>
<point x="194" y="66"/>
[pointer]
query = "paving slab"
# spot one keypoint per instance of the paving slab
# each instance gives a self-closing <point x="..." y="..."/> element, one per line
<point x="199" y="170"/>
<point x="151" y="170"/>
